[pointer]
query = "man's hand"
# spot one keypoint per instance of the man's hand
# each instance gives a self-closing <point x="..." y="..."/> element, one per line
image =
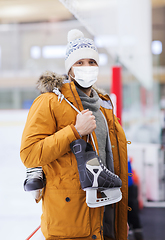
<point x="85" y="122"/>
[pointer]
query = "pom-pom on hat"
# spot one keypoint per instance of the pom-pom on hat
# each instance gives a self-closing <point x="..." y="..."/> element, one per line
<point x="78" y="48"/>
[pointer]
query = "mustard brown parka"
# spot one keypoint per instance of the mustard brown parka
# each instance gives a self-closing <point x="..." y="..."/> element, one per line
<point x="46" y="139"/>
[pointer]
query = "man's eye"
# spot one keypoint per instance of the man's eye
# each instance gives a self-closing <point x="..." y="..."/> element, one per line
<point x="92" y="62"/>
<point x="79" y="63"/>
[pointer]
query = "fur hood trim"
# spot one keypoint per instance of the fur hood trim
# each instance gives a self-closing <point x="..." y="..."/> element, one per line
<point x="49" y="80"/>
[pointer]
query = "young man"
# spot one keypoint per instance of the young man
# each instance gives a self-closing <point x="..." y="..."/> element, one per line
<point x="52" y="125"/>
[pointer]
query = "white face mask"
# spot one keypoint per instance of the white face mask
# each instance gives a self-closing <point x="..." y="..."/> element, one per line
<point x="86" y="76"/>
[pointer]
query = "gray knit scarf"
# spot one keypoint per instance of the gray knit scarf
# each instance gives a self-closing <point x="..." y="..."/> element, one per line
<point x="93" y="105"/>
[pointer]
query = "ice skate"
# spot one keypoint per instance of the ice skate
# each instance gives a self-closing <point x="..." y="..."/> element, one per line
<point x="34" y="179"/>
<point x="95" y="176"/>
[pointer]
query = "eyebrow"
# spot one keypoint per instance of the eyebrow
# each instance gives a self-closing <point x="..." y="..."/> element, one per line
<point x="89" y="59"/>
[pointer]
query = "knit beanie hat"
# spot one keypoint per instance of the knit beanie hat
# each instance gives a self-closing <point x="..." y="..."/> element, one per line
<point x="78" y="48"/>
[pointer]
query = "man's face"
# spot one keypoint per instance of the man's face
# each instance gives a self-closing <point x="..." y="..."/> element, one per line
<point x="84" y="63"/>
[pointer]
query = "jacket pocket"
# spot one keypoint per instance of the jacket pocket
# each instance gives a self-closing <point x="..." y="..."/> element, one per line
<point x="66" y="213"/>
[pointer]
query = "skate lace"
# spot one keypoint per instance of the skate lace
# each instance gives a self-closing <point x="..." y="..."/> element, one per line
<point x="34" y="173"/>
<point x="107" y="170"/>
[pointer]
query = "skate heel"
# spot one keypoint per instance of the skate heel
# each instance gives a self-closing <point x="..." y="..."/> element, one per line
<point x="79" y="146"/>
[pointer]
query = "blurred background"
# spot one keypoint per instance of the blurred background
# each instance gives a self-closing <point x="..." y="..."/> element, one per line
<point x="130" y="35"/>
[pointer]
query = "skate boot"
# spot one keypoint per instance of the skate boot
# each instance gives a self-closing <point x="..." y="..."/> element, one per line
<point x="35" y="182"/>
<point x="34" y="179"/>
<point x="95" y="176"/>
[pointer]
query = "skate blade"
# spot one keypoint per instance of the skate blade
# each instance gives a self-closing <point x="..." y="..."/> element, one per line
<point x="37" y="194"/>
<point x="113" y="195"/>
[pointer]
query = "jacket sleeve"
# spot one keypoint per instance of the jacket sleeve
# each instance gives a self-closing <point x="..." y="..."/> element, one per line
<point x="41" y="143"/>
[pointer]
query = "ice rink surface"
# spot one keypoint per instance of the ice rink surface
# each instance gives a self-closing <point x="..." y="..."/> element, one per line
<point x="19" y="214"/>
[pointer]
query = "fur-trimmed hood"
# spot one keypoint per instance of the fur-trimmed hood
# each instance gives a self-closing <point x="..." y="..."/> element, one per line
<point x="50" y="80"/>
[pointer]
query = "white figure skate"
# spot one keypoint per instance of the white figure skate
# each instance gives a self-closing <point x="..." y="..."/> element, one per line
<point x="95" y="176"/>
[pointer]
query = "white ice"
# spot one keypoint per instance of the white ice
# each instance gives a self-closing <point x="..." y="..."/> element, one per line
<point x="19" y="214"/>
